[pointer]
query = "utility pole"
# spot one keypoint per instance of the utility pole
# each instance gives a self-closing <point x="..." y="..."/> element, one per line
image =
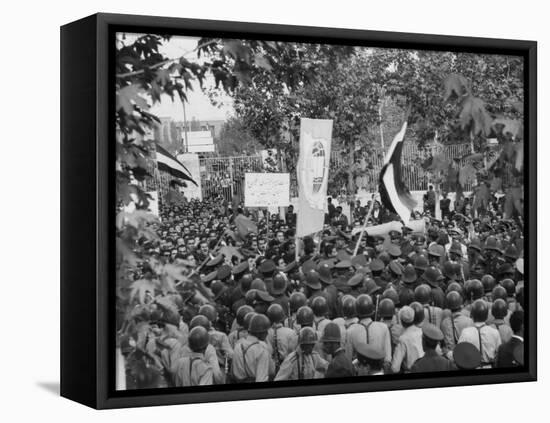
<point x="185" y="140"/>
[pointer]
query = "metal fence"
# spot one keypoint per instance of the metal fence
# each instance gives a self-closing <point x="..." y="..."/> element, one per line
<point x="414" y="176"/>
<point x="225" y="175"/>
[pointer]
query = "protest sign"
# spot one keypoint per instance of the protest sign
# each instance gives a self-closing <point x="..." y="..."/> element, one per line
<point x="266" y="189"/>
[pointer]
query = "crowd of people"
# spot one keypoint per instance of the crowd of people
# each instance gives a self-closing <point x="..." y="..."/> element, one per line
<point x="263" y="306"/>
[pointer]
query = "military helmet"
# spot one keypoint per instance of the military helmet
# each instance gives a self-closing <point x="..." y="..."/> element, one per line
<point x="406" y="296"/>
<point x="246" y="281"/>
<point x="423" y="294"/>
<point x="278" y="286"/>
<point x="455" y="286"/>
<point x="241" y="312"/>
<point x="304" y="316"/>
<point x="307" y="335"/>
<point x="488" y="282"/>
<point x="324" y="273"/>
<point x="250" y="297"/>
<point x="297" y="300"/>
<point x="364" y="305"/>
<point x="386" y="308"/>
<point x="319" y="306"/>
<point x="454" y="300"/>
<point x="247" y="318"/>
<point x="258" y="284"/>
<point x="275" y="313"/>
<point x="209" y="311"/>
<point x="198" y="339"/>
<point x="331" y="333"/>
<point x="348" y="306"/>
<point x="418" y="312"/>
<point x="474" y="289"/>
<point x="391" y="294"/>
<point x="479" y="311"/>
<point x="421" y="262"/>
<point x="259" y="324"/>
<point x="200" y="320"/>
<point x="499" y="292"/>
<point x="509" y="286"/>
<point x="499" y="309"/>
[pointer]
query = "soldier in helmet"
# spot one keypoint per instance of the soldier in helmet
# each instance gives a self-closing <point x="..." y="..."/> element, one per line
<point x="510" y="287"/>
<point x="499" y="310"/>
<point x="432" y="314"/>
<point x="481" y="335"/>
<point x="304" y="317"/>
<point x="420" y="265"/>
<point x="386" y="311"/>
<point x="194" y="369"/>
<point x="367" y="330"/>
<point x="349" y="315"/>
<point x="434" y="278"/>
<point x="241" y="330"/>
<point x="488" y="282"/>
<point x="319" y="306"/>
<point x="283" y="340"/>
<point x="474" y="291"/>
<point x="218" y="339"/>
<point x="277" y="289"/>
<point x="492" y="253"/>
<point x="454" y="321"/>
<point x="340" y="365"/>
<point x="252" y="358"/>
<point x="304" y="362"/>
<point x="297" y="299"/>
<point x="210" y="353"/>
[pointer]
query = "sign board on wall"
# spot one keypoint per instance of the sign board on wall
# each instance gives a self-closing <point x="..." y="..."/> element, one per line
<point x="191" y="162"/>
<point x="266" y="189"/>
<point x="198" y="141"/>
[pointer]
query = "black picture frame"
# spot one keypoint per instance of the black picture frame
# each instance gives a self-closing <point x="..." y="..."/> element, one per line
<point x="87" y="212"/>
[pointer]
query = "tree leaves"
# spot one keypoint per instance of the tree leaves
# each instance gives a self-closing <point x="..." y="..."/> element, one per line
<point x="474" y="117"/>
<point x="508" y="127"/>
<point x="237" y="50"/>
<point x="130" y="96"/>
<point x="142" y="290"/>
<point x="457" y="85"/>
<point x="262" y="62"/>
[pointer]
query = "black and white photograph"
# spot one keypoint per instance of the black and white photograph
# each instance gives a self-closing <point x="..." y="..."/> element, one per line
<point x="296" y="211"/>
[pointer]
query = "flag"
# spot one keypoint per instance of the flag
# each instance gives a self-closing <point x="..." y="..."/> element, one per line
<point x="245" y="226"/>
<point x="395" y="196"/>
<point x="312" y="172"/>
<point x="168" y="163"/>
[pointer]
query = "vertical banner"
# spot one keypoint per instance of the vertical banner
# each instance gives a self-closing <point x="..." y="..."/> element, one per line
<point x="312" y="172"/>
<point x="191" y="162"/>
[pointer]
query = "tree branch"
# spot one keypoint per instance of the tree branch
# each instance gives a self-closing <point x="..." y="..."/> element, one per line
<point x="164" y="62"/>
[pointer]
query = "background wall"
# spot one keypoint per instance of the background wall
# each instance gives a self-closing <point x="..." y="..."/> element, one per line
<point x="30" y="212"/>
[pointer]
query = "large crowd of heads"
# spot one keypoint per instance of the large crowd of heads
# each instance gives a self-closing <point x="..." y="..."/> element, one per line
<point x="447" y="299"/>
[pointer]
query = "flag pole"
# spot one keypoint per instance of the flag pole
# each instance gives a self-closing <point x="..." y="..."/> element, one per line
<point x="367" y="217"/>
